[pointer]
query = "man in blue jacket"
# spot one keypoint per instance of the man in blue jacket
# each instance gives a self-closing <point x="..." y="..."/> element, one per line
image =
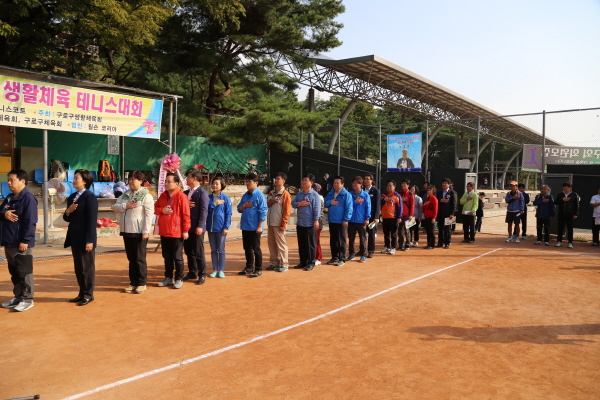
<point x="339" y="204"/>
<point x="308" y="203"/>
<point x="514" y="211"/>
<point x="361" y="213"/>
<point x="193" y="246"/>
<point x="544" y="214"/>
<point x="375" y="196"/>
<point x="253" y="207"/>
<point x="18" y="214"/>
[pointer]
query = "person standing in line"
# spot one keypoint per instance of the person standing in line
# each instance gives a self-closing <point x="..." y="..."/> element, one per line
<point x="193" y="246"/>
<point x="453" y="227"/>
<point x="446" y="206"/>
<point x="308" y="204"/>
<point x="374" y="195"/>
<point x="82" y="214"/>
<point x="470" y="202"/>
<point x="218" y="222"/>
<point x="19" y="216"/>
<point x="339" y="204"/>
<point x="319" y="255"/>
<point x="173" y="211"/>
<point x="414" y="230"/>
<point x="526" y="200"/>
<point x="279" y="208"/>
<point x="391" y="213"/>
<point x="408" y="211"/>
<point x="479" y="212"/>
<point x="253" y="207"/>
<point x="544" y="214"/>
<point x="361" y="213"/>
<point x="567" y="204"/>
<point x="135" y="208"/>
<point x="430" y="210"/>
<point x="423" y="192"/>
<point x="514" y="210"/>
<point x="595" y="204"/>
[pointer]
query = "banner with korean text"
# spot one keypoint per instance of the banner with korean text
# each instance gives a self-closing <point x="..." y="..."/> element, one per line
<point x="558" y="155"/>
<point x="41" y="105"/>
<point x="404" y="152"/>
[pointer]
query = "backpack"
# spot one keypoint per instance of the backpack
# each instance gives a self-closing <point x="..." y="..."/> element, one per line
<point x="104" y="171"/>
<point x="113" y="176"/>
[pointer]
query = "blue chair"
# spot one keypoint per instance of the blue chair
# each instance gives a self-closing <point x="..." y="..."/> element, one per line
<point x="5" y="190"/>
<point x="71" y="175"/>
<point x="38" y="176"/>
<point x="70" y="189"/>
<point x="94" y="175"/>
<point x="98" y="186"/>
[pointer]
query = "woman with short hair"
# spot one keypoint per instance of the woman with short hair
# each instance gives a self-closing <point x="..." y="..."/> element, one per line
<point x="135" y="209"/>
<point x="82" y="214"/>
<point x="217" y="225"/>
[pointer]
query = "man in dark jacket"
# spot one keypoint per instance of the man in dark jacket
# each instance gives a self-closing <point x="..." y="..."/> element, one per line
<point x="446" y="208"/>
<point x="19" y="216"/>
<point x="544" y="214"/>
<point x="375" y="195"/>
<point x="193" y="246"/>
<point x="567" y="207"/>
<point x="526" y="200"/>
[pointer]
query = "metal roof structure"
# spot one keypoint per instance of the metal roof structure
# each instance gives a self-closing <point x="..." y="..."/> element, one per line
<point x="376" y="81"/>
<point x="62" y="80"/>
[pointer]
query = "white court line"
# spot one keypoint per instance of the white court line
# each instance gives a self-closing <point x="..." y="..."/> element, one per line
<point x="555" y="252"/>
<point x="256" y="339"/>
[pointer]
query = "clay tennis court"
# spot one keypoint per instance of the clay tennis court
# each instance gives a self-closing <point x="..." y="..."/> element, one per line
<point x="503" y="321"/>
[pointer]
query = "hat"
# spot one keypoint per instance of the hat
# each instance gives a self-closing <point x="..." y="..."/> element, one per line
<point x="514" y="183"/>
<point x="316" y="187"/>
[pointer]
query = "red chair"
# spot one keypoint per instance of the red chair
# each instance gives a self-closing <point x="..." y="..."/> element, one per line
<point x="205" y="174"/>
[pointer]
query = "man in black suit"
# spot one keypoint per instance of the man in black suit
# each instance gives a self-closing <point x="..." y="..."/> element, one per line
<point x="446" y="207"/>
<point x="193" y="246"/>
<point x="375" y="196"/>
<point x="82" y="214"/>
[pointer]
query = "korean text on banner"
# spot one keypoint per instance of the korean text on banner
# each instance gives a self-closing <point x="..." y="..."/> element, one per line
<point x="36" y="104"/>
<point x="557" y="155"/>
<point x="404" y="153"/>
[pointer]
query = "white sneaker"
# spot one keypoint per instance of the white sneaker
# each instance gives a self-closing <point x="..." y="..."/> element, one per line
<point x="24" y="306"/>
<point x="317" y="262"/>
<point x="517" y="240"/>
<point x="570" y="245"/>
<point x="385" y="250"/>
<point x="559" y="244"/>
<point x="392" y="251"/>
<point x="165" y="282"/>
<point x="547" y="243"/>
<point x="509" y="240"/>
<point x="178" y="284"/>
<point x="415" y="244"/>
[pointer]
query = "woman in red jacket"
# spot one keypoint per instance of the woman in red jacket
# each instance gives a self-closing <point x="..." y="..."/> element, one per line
<point x="173" y="211"/>
<point x="430" y="210"/>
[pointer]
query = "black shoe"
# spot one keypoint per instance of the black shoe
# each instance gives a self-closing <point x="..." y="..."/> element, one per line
<point x="464" y="241"/>
<point x="245" y="271"/>
<point x="271" y="268"/>
<point x="256" y="274"/>
<point x="440" y="245"/>
<point x="85" y="302"/>
<point x="201" y="280"/>
<point x="76" y="299"/>
<point x="333" y="261"/>
<point x="309" y="267"/>
<point x="471" y="241"/>
<point x="299" y="266"/>
<point x="188" y="277"/>
<point x="370" y="255"/>
<point x="447" y="246"/>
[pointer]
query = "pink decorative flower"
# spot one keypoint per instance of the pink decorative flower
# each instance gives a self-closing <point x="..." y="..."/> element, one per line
<point x="150" y="126"/>
<point x="171" y="162"/>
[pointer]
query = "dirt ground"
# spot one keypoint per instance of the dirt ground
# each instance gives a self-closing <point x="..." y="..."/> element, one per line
<point x="506" y="321"/>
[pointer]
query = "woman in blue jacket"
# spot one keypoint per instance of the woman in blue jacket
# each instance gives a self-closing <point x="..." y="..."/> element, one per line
<point x="217" y="225"/>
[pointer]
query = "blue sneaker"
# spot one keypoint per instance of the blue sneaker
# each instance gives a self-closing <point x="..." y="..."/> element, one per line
<point x="363" y="259"/>
<point x="213" y="274"/>
<point x="352" y="257"/>
<point x="221" y="275"/>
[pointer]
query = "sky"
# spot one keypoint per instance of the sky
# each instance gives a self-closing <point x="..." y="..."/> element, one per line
<point x="510" y="56"/>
